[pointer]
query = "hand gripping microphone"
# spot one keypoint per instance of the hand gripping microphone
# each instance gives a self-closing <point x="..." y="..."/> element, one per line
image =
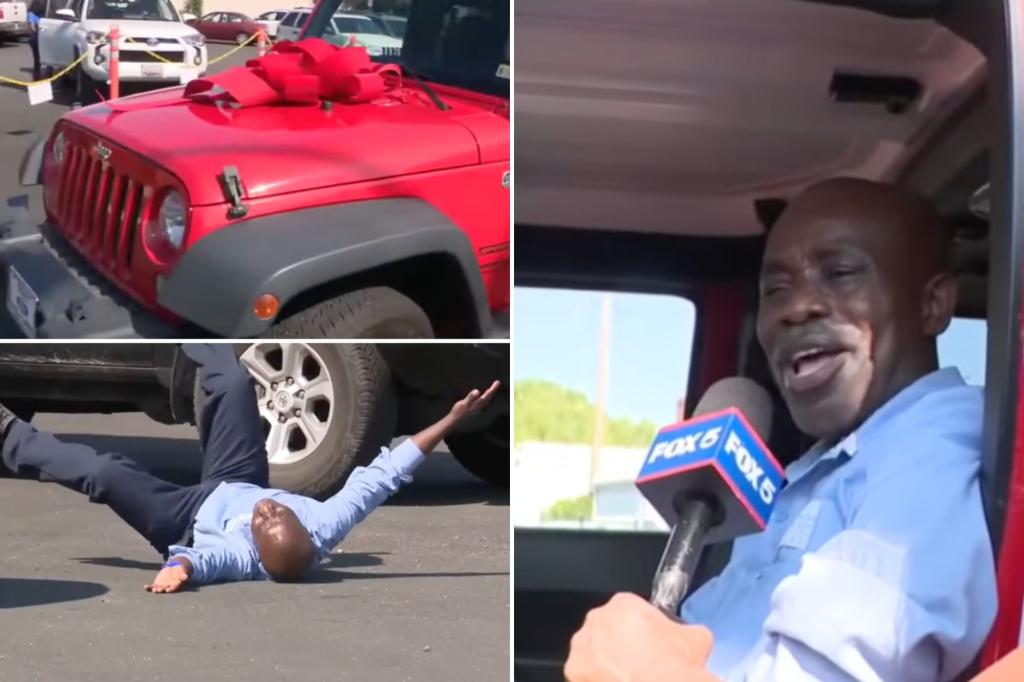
<point x="711" y="478"/>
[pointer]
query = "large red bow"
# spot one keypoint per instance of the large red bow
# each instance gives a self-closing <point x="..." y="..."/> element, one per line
<point x="305" y="72"/>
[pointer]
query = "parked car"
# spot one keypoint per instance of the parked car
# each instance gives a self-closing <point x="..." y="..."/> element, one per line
<point x="393" y="24"/>
<point x="345" y="220"/>
<point x="13" y="20"/>
<point x="346" y="29"/>
<point x="227" y="26"/>
<point x="659" y="174"/>
<point x="326" y="408"/>
<point x="272" y="20"/>
<point x="156" y="46"/>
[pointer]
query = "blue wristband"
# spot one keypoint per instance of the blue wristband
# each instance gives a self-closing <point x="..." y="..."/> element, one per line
<point x="172" y="563"/>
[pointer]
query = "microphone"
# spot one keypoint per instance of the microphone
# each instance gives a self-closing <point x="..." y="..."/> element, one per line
<point x="711" y="478"/>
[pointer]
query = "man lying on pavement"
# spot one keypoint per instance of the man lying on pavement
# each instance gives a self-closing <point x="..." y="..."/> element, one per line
<point x="231" y="525"/>
<point x="876" y="563"/>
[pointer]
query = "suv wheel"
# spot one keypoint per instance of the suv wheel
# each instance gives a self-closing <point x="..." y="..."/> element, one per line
<point x="326" y="409"/>
<point x="241" y="38"/>
<point x="485" y="454"/>
<point x="374" y="313"/>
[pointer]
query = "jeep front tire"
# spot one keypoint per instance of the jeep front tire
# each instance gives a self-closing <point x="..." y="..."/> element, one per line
<point x="325" y="408"/>
<point x="373" y="313"/>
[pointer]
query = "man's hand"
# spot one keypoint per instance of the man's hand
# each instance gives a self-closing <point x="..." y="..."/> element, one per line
<point x="169" y="579"/>
<point x="474" y="402"/>
<point x="628" y="640"/>
<point x="429" y="438"/>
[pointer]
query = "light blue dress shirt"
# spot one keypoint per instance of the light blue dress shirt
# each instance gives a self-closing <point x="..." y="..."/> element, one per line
<point x="222" y="547"/>
<point x="876" y="563"/>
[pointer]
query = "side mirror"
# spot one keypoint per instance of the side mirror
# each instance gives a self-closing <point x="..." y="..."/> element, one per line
<point x="188" y="18"/>
<point x="68" y="14"/>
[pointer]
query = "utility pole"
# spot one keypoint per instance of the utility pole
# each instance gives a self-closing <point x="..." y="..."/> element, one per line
<point x="604" y="340"/>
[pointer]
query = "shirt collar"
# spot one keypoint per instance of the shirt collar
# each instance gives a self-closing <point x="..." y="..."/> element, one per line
<point x="947" y="377"/>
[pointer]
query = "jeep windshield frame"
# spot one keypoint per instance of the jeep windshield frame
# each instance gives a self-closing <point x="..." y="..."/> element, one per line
<point x="122" y="9"/>
<point x="461" y="43"/>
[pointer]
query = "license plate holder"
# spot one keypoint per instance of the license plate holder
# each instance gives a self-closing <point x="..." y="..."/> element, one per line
<point x="153" y="70"/>
<point x="22" y="302"/>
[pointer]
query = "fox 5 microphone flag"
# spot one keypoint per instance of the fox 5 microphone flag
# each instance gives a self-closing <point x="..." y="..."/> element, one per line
<point x="719" y="456"/>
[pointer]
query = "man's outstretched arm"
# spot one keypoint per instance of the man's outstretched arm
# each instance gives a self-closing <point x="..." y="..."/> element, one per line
<point x="368" y="487"/>
<point x="228" y="561"/>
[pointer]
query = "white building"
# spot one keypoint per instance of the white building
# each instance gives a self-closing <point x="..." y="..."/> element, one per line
<point x="545" y="473"/>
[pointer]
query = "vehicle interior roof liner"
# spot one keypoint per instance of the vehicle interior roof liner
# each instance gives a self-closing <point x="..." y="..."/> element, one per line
<point x="903" y="9"/>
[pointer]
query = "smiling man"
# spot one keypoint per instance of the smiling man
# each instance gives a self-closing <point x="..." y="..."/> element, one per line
<point x="231" y="525"/>
<point x="876" y="563"/>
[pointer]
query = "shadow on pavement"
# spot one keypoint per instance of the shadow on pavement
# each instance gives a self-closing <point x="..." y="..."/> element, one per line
<point x="341" y="576"/>
<point x="441" y="480"/>
<point x="19" y="592"/>
<point x="118" y="562"/>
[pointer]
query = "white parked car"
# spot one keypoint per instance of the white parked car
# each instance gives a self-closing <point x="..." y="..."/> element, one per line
<point x="345" y="28"/>
<point x="272" y="20"/>
<point x="147" y="28"/>
<point x="13" y="20"/>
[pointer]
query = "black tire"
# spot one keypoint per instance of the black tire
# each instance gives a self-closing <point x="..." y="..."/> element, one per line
<point x="374" y="313"/>
<point x="241" y="38"/>
<point x="85" y="87"/>
<point x="485" y="454"/>
<point x="364" y="418"/>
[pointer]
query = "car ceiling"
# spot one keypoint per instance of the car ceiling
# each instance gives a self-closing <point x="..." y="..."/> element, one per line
<point x="675" y="116"/>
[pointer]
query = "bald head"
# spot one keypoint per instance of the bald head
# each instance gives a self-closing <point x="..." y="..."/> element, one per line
<point x="283" y="543"/>
<point x="855" y="286"/>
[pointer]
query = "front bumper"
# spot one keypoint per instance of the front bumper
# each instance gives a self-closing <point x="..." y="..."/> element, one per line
<point x="71" y="301"/>
<point x="130" y="70"/>
<point x="17" y="29"/>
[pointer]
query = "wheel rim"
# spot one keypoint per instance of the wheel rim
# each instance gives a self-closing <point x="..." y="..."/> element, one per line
<point x="295" y="396"/>
<point x="241" y="38"/>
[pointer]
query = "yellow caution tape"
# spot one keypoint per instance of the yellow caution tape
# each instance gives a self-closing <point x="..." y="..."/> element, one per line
<point x="60" y="74"/>
<point x="232" y="51"/>
<point x="150" y="52"/>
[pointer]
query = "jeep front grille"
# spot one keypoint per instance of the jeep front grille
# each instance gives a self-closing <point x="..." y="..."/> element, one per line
<point x="99" y="209"/>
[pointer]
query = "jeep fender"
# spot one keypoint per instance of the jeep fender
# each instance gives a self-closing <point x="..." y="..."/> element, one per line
<point x="217" y="280"/>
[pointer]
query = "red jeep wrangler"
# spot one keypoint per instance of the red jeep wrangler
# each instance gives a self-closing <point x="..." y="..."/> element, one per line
<point x="169" y="214"/>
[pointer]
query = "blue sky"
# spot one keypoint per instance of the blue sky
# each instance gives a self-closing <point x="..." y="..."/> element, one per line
<point x="556" y="338"/>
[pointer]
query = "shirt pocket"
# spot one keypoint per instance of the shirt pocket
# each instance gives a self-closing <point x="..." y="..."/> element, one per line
<point x="818" y="521"/>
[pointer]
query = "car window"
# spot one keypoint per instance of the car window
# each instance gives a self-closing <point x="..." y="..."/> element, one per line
<point x="149" y="10"/>
<point x="290" y="19"/>
<point x="962" y="345"/>
<point x="214" y="16"/>
<point x="356" y="25"/>
<point x="51" y="10"/>
<point x="235" y="18"/>
<point x="578" y="355"/>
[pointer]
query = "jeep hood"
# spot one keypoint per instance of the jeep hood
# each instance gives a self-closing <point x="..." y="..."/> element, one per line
<point x="279" y="149"/>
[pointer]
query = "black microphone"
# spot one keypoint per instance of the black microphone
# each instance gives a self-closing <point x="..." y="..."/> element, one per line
<point x="712" y="478"/>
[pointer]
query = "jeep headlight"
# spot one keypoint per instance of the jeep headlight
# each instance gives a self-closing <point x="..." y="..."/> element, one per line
<point x="166" y="233"/>
<point x="93" y="37"/>
<point x="194" y="40"/>
<point x="57" y="150"/>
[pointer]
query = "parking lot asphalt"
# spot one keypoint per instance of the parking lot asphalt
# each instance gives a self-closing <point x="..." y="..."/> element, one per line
<point x="419" y="591"/>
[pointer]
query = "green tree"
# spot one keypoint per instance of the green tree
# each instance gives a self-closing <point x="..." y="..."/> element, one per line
<point x="194" y="7"/>
<point x="551" y="413"/>
<point x="572" y="509"/>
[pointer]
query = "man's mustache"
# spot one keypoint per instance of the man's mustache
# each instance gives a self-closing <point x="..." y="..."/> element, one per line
<point x="823" y="335"/>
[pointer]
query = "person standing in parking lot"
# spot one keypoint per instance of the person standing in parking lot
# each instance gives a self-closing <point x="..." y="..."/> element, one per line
<point x="35" y="12"/>
<point x="231" y="525"/>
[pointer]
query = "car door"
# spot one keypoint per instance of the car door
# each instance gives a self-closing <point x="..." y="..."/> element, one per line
<point x="204" y="24"/>
<point x="56" y="33"/>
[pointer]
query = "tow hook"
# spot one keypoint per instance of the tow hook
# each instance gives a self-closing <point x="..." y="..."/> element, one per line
<point x="231" y="185"/>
